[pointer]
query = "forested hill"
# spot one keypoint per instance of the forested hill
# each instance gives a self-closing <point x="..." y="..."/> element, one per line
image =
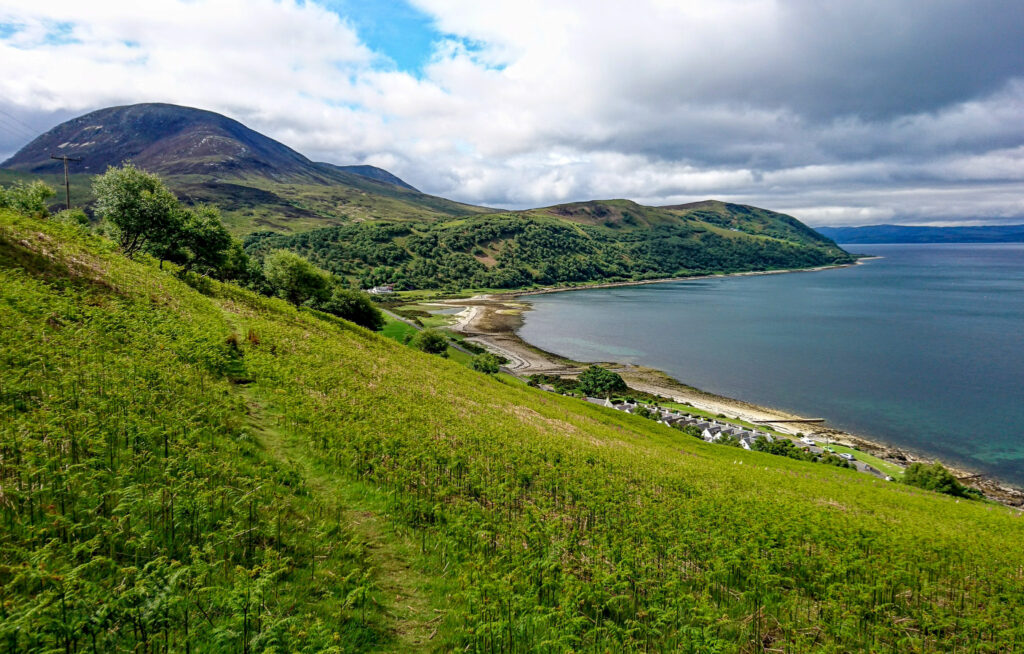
<point x="189" y="467"/>
<point x="614" y="240"/>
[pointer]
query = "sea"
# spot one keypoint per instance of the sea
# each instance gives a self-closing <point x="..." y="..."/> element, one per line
<point x="920" y="348"/>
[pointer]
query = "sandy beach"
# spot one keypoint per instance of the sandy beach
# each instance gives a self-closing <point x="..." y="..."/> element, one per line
<point x="492" y="321"/>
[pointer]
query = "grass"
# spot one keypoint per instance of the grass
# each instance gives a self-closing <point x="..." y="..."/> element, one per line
<point x="397" y="329"/>
<point x="151" y="502"/>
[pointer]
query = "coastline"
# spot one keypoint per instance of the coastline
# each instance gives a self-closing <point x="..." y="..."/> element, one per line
<point x="492" y="321"/>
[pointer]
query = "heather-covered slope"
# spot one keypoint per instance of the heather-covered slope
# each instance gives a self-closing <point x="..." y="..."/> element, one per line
<point x="216" y="471"/>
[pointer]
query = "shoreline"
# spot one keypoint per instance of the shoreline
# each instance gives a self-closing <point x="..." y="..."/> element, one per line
<point x="663" y="280"/>
<point x="493" y="320"/>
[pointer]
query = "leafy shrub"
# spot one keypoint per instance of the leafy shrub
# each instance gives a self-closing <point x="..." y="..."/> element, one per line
<point x="936" y="477"/>
<point x="355" y="306"/>
<point x="73" y="217"/>
<point x="27" y="198"/>
<point x="293" y="278"/>
<point x="486" y="363"/>
<point x="600" y="382"/>
<point x="431" y="341"/>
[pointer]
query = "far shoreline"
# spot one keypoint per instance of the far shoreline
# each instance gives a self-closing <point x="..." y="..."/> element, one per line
<point x="493" y="320"/>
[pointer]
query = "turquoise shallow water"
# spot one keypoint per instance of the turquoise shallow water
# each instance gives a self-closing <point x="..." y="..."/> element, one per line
<point x="923" y="348"/>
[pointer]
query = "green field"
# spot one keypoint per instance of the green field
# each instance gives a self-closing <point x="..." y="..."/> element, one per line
<point x="213" y="471"/>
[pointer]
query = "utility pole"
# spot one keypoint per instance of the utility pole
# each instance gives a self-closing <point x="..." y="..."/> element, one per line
<point x="67" y="185"/>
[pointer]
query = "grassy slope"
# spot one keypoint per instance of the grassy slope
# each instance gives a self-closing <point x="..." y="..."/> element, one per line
<point x="477" y="514"/>
<point x="750" y="220"/>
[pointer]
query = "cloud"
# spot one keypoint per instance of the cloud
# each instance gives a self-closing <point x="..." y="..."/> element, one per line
<point x="842" y="111"/>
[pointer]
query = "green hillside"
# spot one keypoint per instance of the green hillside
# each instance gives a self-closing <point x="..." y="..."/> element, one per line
<point x="610" y="240"/>
<point x="206" y="470"/>
<point x="255" y="204"/>
<point x="751" y="220"/>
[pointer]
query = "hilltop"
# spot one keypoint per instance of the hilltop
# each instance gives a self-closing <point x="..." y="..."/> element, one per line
<point x="192" y="465"/>
<point x="206" y="157"/>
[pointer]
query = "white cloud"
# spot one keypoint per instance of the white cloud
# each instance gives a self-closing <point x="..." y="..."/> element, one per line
<point x="781" y="103"/>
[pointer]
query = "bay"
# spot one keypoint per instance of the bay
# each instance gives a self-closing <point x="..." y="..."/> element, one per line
<point x="922" y="348"/>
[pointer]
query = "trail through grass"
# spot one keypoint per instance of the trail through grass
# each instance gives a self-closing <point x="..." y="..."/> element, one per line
<point x="411" y="616"/>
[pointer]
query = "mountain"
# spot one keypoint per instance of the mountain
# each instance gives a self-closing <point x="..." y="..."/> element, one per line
<point x="595" y="241"/>
<point x="372" y="172"/>
<point x="166" y="139"/>
<point x="174" y="140"/>
<point x="260" y="183"/>
<point x="207" y="470"/>
<point x="915" y="234"/>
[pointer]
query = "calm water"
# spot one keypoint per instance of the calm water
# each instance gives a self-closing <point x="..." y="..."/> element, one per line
<point x="923" y="348"/>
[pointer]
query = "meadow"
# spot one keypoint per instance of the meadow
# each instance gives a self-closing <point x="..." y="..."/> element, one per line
<point x="188" y="466"/>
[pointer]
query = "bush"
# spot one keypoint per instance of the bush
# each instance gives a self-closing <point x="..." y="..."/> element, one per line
<point x="292" y="278"/>
<point x="431" y="341"/>
<point x="27" y="198"/>
<point x="355" y="306"/>
<point x="73" y="217"/>
<point x="486" y="363"/>
<point x="600" y="382"/>
<point x="936" y="477"/>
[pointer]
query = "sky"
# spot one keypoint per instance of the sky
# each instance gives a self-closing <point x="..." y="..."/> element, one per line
<point x="837" y="112"/>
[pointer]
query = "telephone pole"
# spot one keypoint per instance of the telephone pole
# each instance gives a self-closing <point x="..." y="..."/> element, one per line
<point x="67" y="185"/>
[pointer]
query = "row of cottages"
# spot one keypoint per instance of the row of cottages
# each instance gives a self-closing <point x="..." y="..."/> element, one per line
<point x="712" y="431"/>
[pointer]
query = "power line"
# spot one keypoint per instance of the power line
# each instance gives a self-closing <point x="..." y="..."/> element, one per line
<point x="14" y="119"/>
<point x="16" y="130"/>
<point x="67" y="184"/>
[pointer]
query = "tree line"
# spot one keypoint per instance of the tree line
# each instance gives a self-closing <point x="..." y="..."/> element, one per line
<point x="515" y="251"/>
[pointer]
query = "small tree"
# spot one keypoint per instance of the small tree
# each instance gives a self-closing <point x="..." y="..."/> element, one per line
<point x="936" y="478"/>
<point x="353" y="305"/>
<point x="140" y="208"/>
<point x="431" y="341"/>
<point x="238" y="266"/>
<point x="486" y="363"/>
<point x="27" y="198"/>
<point x="206" y="238"/>
<point x="166" y="239"/>
<point x="293" y="278"/>
<point x="600" y="382"/>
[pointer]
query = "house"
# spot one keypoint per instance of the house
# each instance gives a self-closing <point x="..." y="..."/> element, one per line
<point x="383" y="289"/>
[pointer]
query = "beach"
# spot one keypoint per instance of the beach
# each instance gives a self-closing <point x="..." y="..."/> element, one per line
<point x="492" y="321"/>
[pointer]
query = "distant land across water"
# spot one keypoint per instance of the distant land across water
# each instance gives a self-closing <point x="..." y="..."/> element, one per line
<point x="915" y="234"/>
<point x="922" y="348"/>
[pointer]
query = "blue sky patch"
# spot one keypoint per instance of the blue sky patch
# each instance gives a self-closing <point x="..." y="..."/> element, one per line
<point x="392" y="28"/>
